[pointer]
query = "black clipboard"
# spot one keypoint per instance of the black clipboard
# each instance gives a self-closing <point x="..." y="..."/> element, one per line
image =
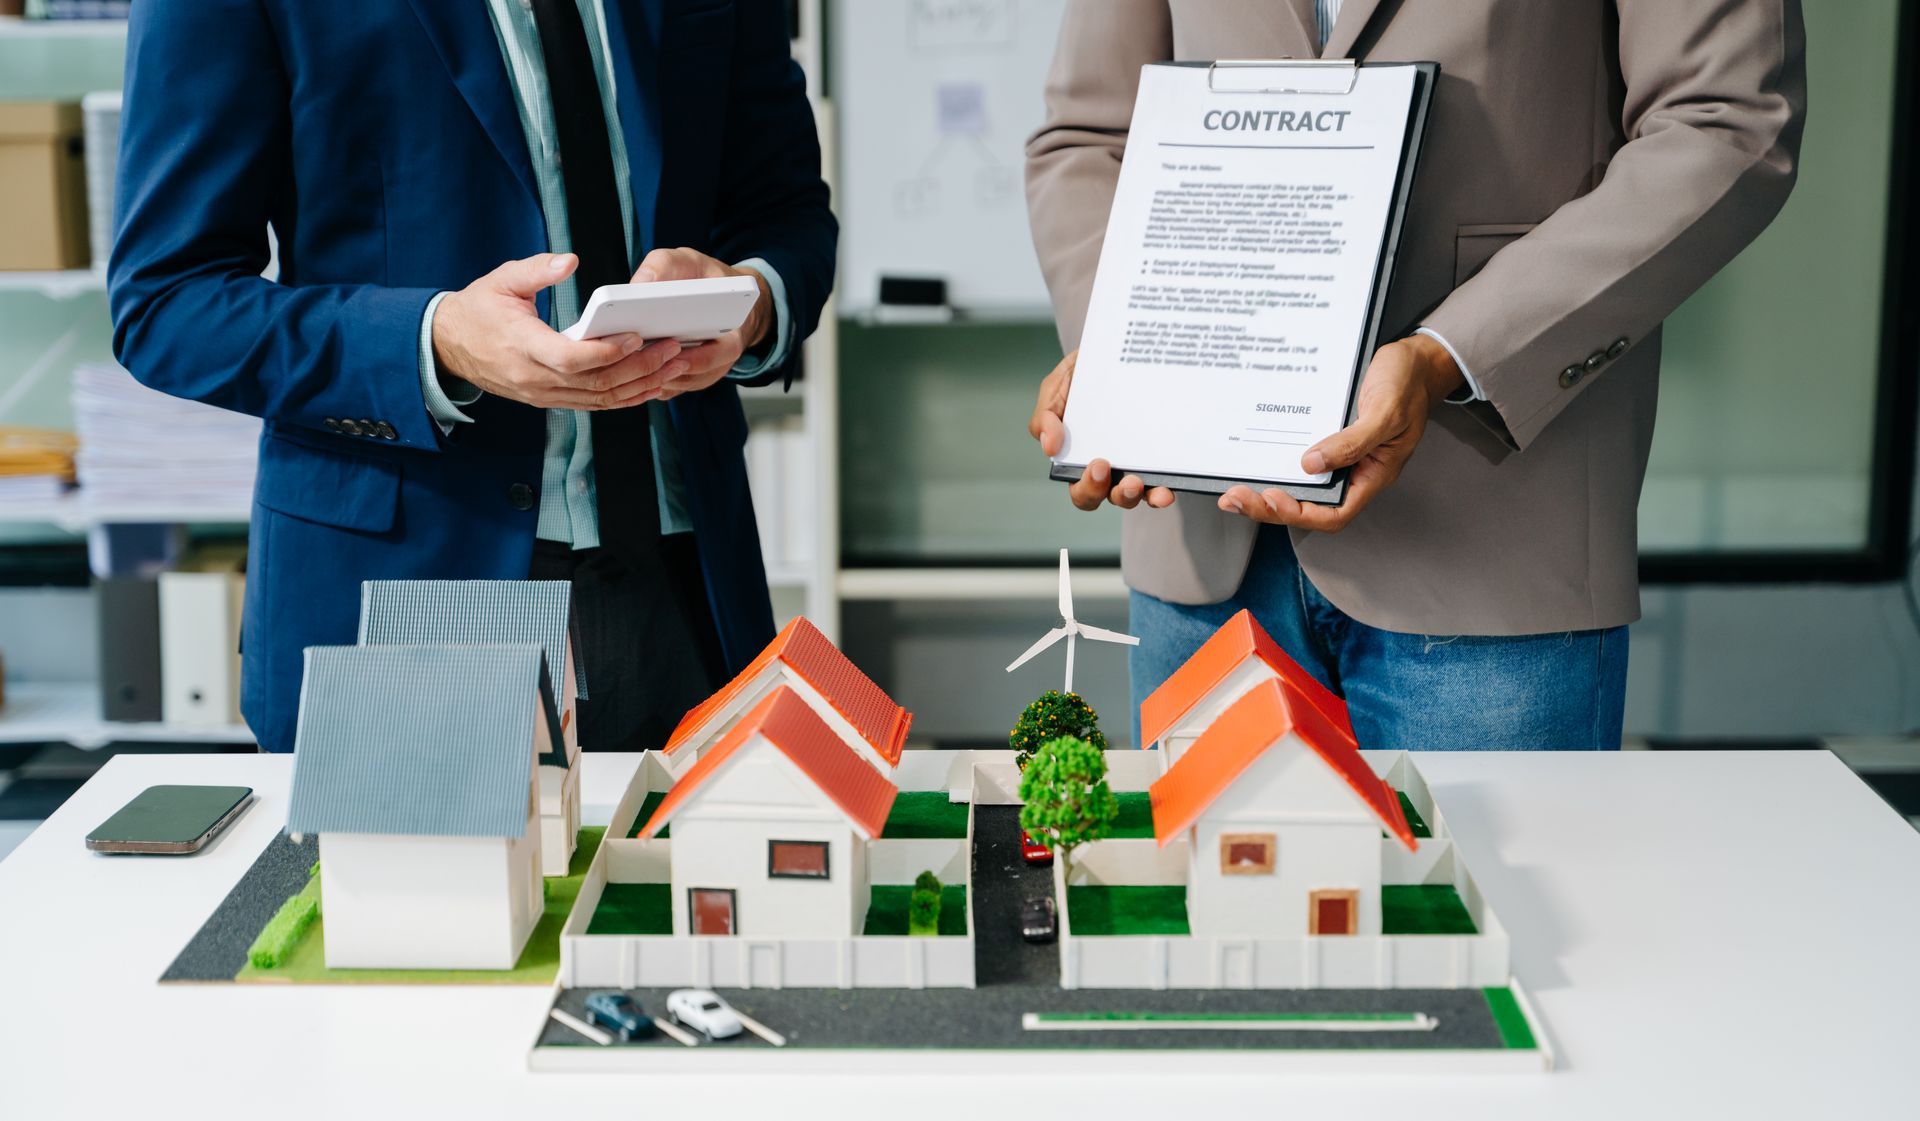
<point x="1334" y="490"/>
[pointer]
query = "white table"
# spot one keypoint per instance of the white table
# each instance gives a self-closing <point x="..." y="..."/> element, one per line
<point x="1708" y="935"/>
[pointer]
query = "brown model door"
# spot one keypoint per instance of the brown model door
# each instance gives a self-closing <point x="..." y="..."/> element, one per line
<point x="710" y="909"/>
<point x="1333" y="912"/>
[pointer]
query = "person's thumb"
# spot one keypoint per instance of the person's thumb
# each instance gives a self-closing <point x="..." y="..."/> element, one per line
<point x="526" y="277"/>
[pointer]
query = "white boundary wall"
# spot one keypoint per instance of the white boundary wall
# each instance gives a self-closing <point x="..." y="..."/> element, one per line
<point x="1405" y="961"/>
<point x="663" y="960"/>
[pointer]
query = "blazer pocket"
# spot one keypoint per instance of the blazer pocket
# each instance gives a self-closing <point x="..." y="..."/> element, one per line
<point x="1474" y="246"/>
<point x="327" y="486"/>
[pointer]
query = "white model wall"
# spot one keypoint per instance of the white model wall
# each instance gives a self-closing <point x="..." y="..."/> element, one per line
<point x="713" y="852"/>
<point x="1250" y="672"/>
<point x="657" y="961"/>
<point x="392" y="902"/>
<point x="1403" y="961"/>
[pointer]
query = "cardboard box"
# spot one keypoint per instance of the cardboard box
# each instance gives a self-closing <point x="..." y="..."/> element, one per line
<point x="43" y="186"/>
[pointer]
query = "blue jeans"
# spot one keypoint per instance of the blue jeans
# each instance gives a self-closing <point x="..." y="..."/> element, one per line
<point x="1421" y="692"/>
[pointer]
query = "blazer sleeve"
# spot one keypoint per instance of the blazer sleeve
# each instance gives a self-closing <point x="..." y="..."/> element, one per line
<point x="775" y="205"/>
<point x="204" y="166"/>
<point x="1073" y="161"/>
<point x="1715" y="96"/>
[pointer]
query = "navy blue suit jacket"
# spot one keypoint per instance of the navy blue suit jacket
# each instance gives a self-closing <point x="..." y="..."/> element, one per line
<point x="381" y="141"/>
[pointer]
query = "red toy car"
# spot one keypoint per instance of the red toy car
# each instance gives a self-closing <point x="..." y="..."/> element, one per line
<point x="1032" y="851"/>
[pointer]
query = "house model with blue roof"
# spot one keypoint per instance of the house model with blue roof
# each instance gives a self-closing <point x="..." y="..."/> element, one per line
<point x="416" y="766"/>
<point x="487" y="612"/>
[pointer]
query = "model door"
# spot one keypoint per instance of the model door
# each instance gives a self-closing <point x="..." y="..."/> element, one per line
<point x="1333" y="912"/>
<point x="711" y="909"/>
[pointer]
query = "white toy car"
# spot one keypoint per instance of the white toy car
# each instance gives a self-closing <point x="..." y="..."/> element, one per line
<point x="703" y="1011"/>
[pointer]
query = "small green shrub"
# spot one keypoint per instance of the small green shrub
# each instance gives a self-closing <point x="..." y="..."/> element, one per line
<point x="287" y="926"/>
<point x="923" y="912"/>
<point x="927" y="881"/>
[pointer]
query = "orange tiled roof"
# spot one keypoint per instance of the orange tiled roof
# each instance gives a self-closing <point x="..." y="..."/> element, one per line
<point x="790" y="724"/>
<point x="1238" y="639"/>
<point x="882" y="723"/>
<point x="1250" y="726"/>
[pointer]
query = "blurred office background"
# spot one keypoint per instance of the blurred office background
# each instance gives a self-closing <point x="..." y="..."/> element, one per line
<point x="904" y="508"/>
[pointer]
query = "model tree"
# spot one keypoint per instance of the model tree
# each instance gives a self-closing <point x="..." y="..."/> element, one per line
<point x="1067" y="800"/>
<point x="1053" y="715"/>
<point x="923" y="905"/>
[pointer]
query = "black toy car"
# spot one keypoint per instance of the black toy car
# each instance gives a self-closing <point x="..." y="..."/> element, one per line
<point x="1037" y="920"/>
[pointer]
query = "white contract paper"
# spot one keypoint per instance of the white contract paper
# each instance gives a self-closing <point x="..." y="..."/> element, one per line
<point x="1237" y="276"/>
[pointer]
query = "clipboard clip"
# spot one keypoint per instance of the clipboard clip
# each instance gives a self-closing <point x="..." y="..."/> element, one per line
<point x="1337" y="70"/>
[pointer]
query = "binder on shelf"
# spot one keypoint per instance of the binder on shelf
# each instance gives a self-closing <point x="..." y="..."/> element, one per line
<point x="200" y="648"/>
<point x="130" y="649"/>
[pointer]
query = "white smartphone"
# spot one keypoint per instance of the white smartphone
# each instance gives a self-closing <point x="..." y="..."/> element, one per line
<point x="688" y="310"/>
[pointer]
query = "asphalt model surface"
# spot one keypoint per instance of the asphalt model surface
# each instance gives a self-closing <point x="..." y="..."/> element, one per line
<point x="1015" y="978"/>
<point x="219" y="949"/>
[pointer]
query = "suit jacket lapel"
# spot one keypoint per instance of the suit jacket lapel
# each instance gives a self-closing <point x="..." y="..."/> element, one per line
<point x="1303" y="37"/>
<point x="1347" y="29"/>
<point x="464" y="37"/>
<point x="633" y="36"/>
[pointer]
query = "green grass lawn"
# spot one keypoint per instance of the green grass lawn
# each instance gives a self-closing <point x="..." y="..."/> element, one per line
<point x="539" y="962"/>
<point x="1508" y="1018"/>
<point x="1423" y="909"/>
<point x="887" y="909"/>
<point x="1136" y="815"/>
<point x="1095" y="910"/>
<point x="926" y="813"/>
<point x="633" y="909"/>
<point x="647" y="804"/>
<point x="1414" y="820"/>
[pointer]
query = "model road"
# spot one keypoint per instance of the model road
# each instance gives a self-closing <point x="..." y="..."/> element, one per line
<point x="1016" y="977"/>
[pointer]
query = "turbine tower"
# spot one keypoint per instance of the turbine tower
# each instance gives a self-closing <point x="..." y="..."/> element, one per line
<point x="1070" y="629"/>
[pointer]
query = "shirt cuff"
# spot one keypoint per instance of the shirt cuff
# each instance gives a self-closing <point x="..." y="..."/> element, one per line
<point x="1459" y="396"/>
<point x="753" y="365"/>
<point x="443" y="395"/>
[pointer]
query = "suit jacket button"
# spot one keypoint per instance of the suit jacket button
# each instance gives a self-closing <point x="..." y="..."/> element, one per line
<point x="521" y="496"/>
<point x="385" y="431"/>
<point x="1571" y="374"/>
<point x="350" y="426"/>
<point x="1596" y="360"/>
<point x="331" y="424"/>
<point x="1618" y="348"/>
<point x="368" y="429"/>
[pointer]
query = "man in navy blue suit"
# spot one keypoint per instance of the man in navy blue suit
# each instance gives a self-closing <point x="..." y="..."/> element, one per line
<point x="448" y="183"/>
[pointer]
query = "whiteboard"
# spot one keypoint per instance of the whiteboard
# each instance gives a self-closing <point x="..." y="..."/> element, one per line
<point x="935" y="100"/>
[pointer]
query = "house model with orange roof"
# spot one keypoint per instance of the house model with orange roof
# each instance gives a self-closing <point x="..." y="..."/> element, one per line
<point x="1281" y="855"/>
<point x="804" y="661"/>
<point x="771" y="827"/>
<point x="755" y="850"/>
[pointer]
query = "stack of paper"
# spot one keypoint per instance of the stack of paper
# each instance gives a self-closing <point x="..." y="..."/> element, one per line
<point x="139" y="447"/>
<point x="36" y="466"/>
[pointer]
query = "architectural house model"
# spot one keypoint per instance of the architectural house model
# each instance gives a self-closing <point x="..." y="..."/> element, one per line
<point x="771" y="828"/>
<point x="416" y="767"/>
<point x="487" y="612"/>
<point x="1282" y="819"/>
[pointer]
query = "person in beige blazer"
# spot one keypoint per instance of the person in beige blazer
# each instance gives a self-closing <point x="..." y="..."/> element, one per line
<point x="1588" y="165"/>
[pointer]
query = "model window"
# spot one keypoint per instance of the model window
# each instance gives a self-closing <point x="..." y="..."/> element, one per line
<point x="799" y="860"/>
<point x="1246" y="854"/>
<point x="1333" y="911"/>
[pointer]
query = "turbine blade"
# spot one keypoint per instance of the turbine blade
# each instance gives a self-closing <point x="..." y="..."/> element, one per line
<point x="1105" y="635"/>
<point x="1066" y="589"/>
<point x="1046" y="640"/>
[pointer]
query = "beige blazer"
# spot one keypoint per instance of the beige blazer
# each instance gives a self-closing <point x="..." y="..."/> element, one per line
<point x="1589" y="164"/>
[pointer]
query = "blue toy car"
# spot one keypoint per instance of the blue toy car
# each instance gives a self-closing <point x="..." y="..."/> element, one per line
<point x="617" y="1013"/>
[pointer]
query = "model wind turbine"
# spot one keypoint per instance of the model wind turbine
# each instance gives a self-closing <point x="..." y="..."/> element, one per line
<point x="1070" y="629"/>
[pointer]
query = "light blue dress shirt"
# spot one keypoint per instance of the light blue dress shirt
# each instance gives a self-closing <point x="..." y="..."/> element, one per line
<point x="569" y="512"/>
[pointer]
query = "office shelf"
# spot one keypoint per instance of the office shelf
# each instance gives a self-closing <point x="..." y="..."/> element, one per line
<point x="75" y="514"/>
<point x="69" y="712"/>
<point x="56" y="284"/>
<point x="934" y="584"/>
<point x="15" y="27"/>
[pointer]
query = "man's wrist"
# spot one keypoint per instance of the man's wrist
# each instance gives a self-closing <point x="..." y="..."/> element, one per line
<point x="758" y="328"/>
<point x="1439" y="373"/>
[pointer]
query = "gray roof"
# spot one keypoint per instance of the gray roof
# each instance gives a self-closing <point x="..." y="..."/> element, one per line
<point x="476" y="612"/>
<point x="424" y="740"/>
